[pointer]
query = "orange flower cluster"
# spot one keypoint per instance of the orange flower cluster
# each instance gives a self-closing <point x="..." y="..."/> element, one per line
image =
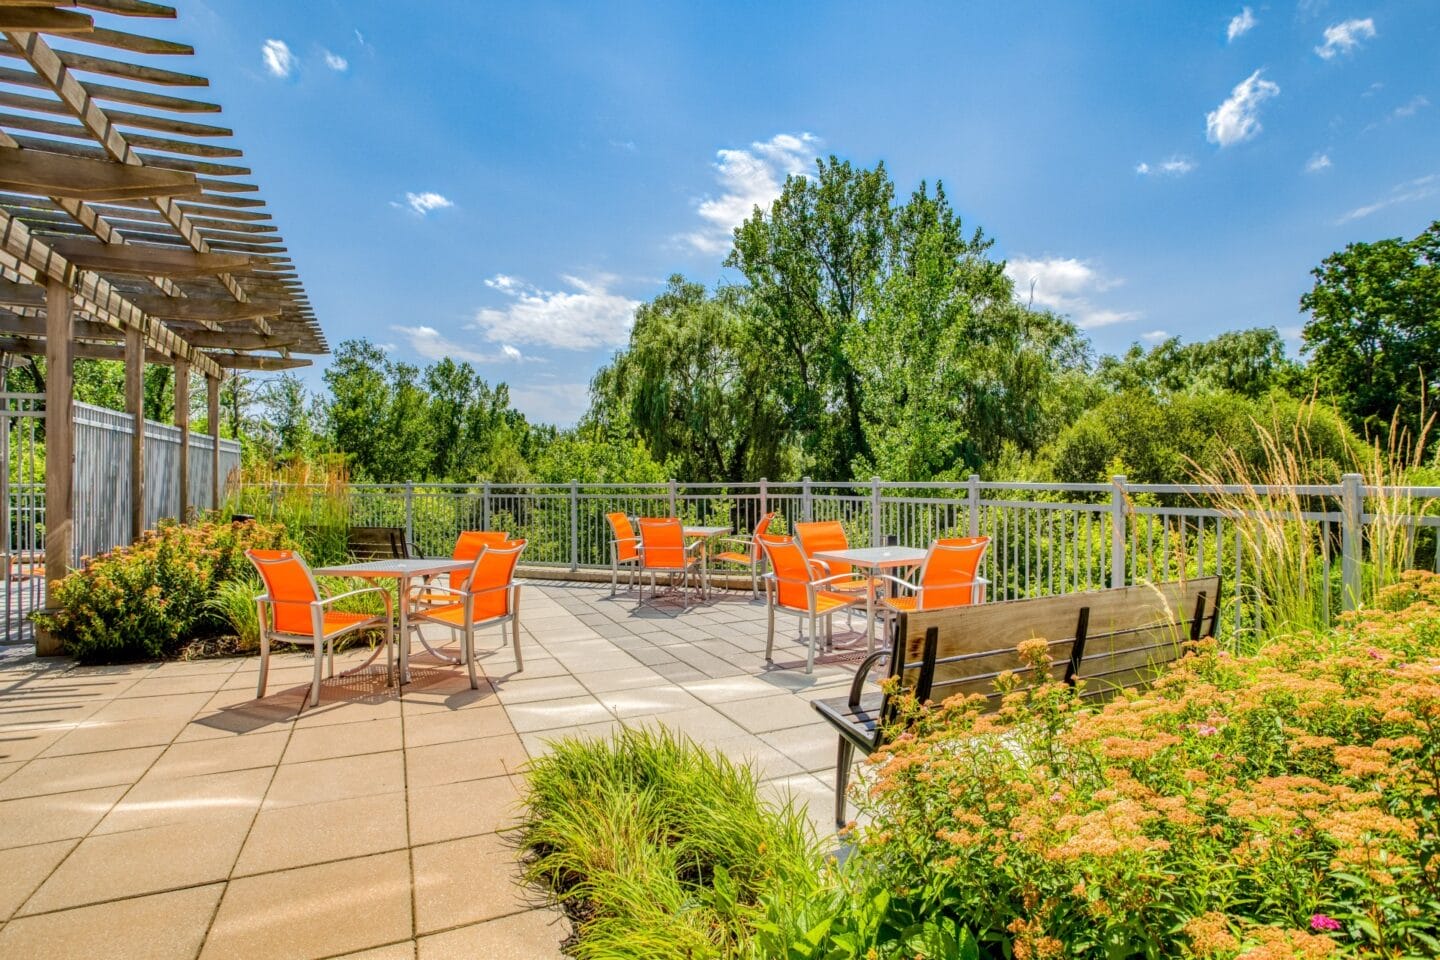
<point x="1283" y="804"/>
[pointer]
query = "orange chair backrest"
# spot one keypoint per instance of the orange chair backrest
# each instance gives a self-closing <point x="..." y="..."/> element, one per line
<point x="662" y="543"/>
<point x="947" y="578"/>
<point x="761" y="528"/>
<point x="290" y="588"/>
<point x="791" y="569"/>
<point x="494" y="569"/>
<point x="626" y="547"/>
<point x="820" y="535"/>
<point x="468" y="546"/>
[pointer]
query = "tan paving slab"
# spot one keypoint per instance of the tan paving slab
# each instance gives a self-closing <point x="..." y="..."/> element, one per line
<point x="336" y="779"/>
<point x="718" y="690"/>
<point x="160" y="685"/>
<point x="23" y="869"/>
<point x="569" y="712"/>
<point x="167" y="926"/>
<point x="541" y="742"/>
<point x="80" y="772"/>
<point x="288" y="837"/>
<point x="343" y="740"/>
<point x="138" y="862"/>
<point x="605" y="681"/>
<point x="465" y="881"/>
<point x="649" y="701"/>
<point x="195" y="758"/>
<point x="778" y="712"/>
<point x="527" y="690"/>
<point x="184" y="705"/>
<point x="532" y="935"/>
<point x="317" y="911"/>
<point x="454" y="810"/>
<point x="56" y="817"/>
<point x="395" y="951"/>
<point x="156" y="801"/>
<point x="445" y="726"/>
<point x="117" y="735"/>
<point x="20" y="745"/>
<point x="812" y="747"/>
<point x="459" y="760"/>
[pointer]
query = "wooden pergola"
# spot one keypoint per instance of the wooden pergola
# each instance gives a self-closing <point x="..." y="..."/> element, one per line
<point x="128" y="232"/>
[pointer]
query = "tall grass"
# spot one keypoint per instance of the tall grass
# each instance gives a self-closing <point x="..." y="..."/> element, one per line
<point x="311" y="500"/>
<point x="657" y="848"/>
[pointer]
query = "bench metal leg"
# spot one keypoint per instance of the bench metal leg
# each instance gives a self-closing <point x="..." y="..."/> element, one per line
<point x="843" y="756"/>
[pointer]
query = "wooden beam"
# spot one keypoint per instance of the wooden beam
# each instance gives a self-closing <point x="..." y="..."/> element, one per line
<point x="145" y="261"/>
<point x="245" y="361"/>
<point x="237" y="340"/>
<point x="135" y="406"/>
<point x="212" y="414"/>
<point x="54" y="175"/>
<point x="59" y="451"/>
<point x="182" y="421"/>
<point x="205" y="310"/>
<point x="79" y="350"/>
<point x="21" y="294"/>
<point x="45" y="19"/>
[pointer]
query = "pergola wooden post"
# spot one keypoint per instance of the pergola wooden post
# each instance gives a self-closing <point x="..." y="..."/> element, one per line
<point x="59" y="448"/>
<point x="135" y="406"/>
<point x="182" y="422"/>
<point x="212" y="412"/>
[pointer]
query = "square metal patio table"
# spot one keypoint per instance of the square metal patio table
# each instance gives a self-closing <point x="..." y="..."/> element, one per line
<point x="873" y="560"/>
<point x="403" y="572"/>
<point x="706" y="533"/>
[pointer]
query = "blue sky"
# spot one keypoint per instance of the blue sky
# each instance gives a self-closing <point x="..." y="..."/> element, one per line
<point x="503" y="182"/>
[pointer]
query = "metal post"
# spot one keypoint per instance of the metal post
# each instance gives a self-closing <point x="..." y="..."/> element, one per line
<point x="1352" y="538"/>
<point x="575" y="522"/>
<point x="274" y="499"/>
<point x="875" y="538"/>
<point x="674" y="497"/>
<point x="807" y="510"/>
<point x="972" y="504"/>
<point x="485" y="506"/>
<point x="1117" y="531"/>
<point x="409" y="513"/>
<point x="764" y="498"/>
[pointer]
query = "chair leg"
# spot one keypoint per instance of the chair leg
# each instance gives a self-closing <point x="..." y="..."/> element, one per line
<point x="468" y="644"/>
<point x="842" y="778"/>
<point x="830" y="632"/>
<point x="614" y="576"/>
<point x="391" y="654"/>
<point x="810" y="650"/>
<point x="315" y="683"/>
<point x="330" y="659"/>
<point x="515" y="642"/>
<point x="264" y="663"/>
<point x="769" y="637"/>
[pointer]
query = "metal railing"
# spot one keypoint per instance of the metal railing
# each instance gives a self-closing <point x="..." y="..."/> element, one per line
<point x="1045" y="537"/>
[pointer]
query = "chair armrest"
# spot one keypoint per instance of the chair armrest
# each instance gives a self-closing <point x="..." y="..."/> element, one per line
<point x="865" y="667"/>
<point x="838" y="576"/>
<point x="825" y="567"/>
<point x="618" y="540"/>
<point x="326" y="601"/>
<point x="434" y="588"/>
<point x="740" y="540"/>
<point x="897" y="581"/>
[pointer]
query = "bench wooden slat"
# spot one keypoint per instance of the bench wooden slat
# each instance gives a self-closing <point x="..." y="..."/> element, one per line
<point x="377" y="543"/>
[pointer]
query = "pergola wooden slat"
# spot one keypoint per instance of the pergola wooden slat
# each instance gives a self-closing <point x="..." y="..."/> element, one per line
<point x="128" y="235"/>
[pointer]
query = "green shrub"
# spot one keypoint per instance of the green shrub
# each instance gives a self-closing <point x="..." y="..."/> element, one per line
<point x="657" y="848"/>
<point x="234" y="602"/>
<point x="147" y="599"/>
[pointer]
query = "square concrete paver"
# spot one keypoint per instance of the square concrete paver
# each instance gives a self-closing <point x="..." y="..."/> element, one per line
<point x="162" y="811"/>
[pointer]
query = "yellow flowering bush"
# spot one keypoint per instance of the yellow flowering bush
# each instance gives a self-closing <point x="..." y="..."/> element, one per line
<point x="1280" y="805"/>
<point x="145" y="600"/>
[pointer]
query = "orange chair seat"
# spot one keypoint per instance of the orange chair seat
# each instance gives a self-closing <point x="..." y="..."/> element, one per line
<point x="901" y="604"/>
<point x="454" y="613"/>
<point x="334" y="622"/>
<point x="826" y="600"/>
<point x="732" y="556"/>
<point x="858" y="585"/>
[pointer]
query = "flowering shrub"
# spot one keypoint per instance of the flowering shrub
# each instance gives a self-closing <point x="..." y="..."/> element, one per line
<point x="145" y="600"/>
<point x="1285" y="804"/>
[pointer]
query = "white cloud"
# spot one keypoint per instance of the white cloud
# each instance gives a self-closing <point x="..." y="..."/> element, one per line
<point x="749" y="179"/>
<point x="1156" y="336"/>
<point x="1345" y="37"/>
<point x="582" y="318"/>
<point x="1238" y="118"/>
<point x="335" y="62"/>
<point x="1420" y="188"/>
<point x="278" y="58"/>
<point x="562" y="404"/>
<point x="1240" y="24"/>
<point x="1320" y="161"/>
<point x="422" y="203"/>
<point x="1065" y="285"/>
<point x="1174" y="167"/>
<point x="1405" y="110"/>
<point x="433" y="345"/>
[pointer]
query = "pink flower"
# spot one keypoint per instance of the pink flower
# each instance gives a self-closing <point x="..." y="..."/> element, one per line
<point x="1206" y="729"/>
<point x="1322" y="922"/>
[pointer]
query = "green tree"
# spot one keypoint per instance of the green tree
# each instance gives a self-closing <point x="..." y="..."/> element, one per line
<point x="1251" y="363"/>
<point x="1373" y="337"/>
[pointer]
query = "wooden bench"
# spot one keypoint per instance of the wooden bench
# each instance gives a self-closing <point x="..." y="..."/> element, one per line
<point x="377" y="543"/>
<point x="1109" y="638"/>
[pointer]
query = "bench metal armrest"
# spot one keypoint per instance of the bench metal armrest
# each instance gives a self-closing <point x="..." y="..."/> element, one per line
<point x="865" y="666"/>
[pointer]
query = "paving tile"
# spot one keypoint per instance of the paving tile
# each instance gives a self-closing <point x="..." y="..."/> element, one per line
<point x="117" y="735"/>
<point x="532" y="935"/>
<point x="459" y="760"/>
<point x="569" y="712"/>
<point x="778" y="712"/>
<point x="812" y="747"/>
<point x="765" y="761"/>
<point x="454" y="810"/>
<point x="20" y="745"/>
<point x="465" y="881"/>
<point x="155" y="801"/>
<point x="166" y="926"/>
<point x="650" y="701"/>
<point x="724" y="689"/>
<point x="337" y="779"/>
<point x="158" y="685"/>
<point x="58" y="816"/>
<point x="288" y="837"/>
<point x="198" y="758"/>
<point x="138" y="862"/>
<point x="80" y="772"/>
<point x="315" y="911"/>
<point x="704" y="725"/>
<point x="184" y="705"/>
<point x="541" y="742"/>
<point x="523" y="690"/>
<point x="446" y="726"/>
<point x="395" y="951"/>
<point x="343" y="740"/>
<point x="23" y="869"/>
<point x="606" y="681"/>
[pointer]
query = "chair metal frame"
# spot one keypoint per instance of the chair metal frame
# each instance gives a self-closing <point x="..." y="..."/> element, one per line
<point x="752" y="546"/>
<point x="615" y="562"/>
<point x="693" y="555"/>
<point x="978" y="584"/>
<point x="465" y="599"/>
<point x="814" y="587"/>
<point x="319" y="641"/>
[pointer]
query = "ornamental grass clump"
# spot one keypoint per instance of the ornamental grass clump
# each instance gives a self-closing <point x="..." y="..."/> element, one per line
<point x="1285" y="804"/>
<point x="657" y="848"/>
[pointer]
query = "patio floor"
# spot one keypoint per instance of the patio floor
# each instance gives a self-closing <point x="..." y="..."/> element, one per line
<point x="159" y="810"/>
